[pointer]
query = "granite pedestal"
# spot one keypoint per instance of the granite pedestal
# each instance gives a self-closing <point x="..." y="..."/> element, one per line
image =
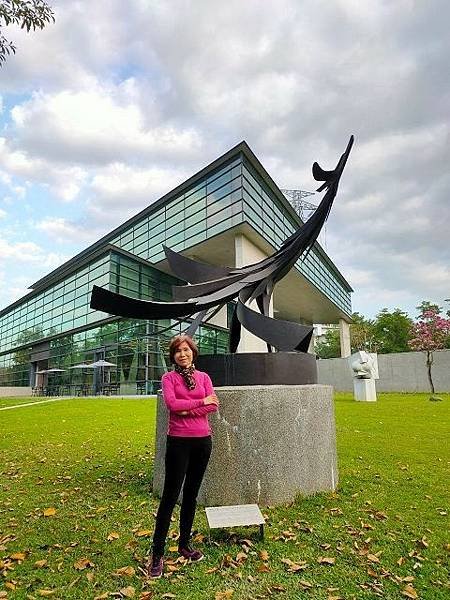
<point x="270" y="443"/>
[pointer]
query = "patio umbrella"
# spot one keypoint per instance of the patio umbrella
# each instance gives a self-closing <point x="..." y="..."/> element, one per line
<point x="82" y="366"/>
<point x="55" y="370"/>
<point x="101" y="364"/>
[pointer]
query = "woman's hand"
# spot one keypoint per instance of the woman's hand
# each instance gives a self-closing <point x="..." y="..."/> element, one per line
<point x="213" y="399"/>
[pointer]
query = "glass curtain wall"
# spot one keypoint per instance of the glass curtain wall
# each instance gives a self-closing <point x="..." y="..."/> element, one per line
<point x="136" y="348"/>
<point x="209" y="207"/>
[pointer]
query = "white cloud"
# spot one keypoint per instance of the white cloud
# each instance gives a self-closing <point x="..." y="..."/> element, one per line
<point x="20" y="251"/>
<point x="64" y="181"/>
<point x="28" y="253"/>
<point x="63" y="231"/>
<point x="121" y="186"/>
<point x="98" y="126"/>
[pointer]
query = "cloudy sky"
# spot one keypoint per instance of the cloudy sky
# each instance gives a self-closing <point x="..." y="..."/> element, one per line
<point x="117" y="103"/>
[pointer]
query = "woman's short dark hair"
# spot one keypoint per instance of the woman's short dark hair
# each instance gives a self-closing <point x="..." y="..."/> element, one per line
<point x="176" y="341"/>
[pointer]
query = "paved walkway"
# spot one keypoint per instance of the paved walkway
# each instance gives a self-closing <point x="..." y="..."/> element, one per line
<point x="141" y="396"/>
<point x="32" y="403"/>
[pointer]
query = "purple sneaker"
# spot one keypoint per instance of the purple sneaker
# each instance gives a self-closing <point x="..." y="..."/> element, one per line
<point x="155" y="567"/>
<point x="190" y="554"/>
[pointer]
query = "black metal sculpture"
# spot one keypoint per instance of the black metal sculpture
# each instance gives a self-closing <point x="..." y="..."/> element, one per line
<point x="212" y="286"/>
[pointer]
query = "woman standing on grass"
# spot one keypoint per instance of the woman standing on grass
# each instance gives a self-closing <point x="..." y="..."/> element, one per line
<point x="189" y="397"/>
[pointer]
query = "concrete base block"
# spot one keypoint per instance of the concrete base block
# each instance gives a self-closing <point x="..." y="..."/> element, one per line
<point x="365" y="390"/>
<point x="270" y="443"/>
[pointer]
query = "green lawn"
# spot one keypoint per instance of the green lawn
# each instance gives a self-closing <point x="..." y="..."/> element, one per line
<point x="384" y="533"/>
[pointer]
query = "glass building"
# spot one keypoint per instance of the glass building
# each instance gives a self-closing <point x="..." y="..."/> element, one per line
<point x="229" y="213"/>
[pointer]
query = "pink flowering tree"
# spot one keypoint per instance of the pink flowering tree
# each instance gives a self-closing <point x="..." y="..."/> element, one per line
<point x="430" y="333"/>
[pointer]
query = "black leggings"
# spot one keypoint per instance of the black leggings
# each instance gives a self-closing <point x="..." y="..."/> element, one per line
<point x="186" y="459"/>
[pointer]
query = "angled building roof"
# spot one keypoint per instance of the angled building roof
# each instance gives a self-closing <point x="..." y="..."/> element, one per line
<point x="74" y="263"/>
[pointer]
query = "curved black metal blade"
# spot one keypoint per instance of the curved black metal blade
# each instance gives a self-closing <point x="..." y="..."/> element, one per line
<point x="192" y="270"/>
<point x="284" y="335"/>
<point x="183" y="292"/>
<point x="235" y="333"/>
<point x="320" y="174"/>
<point x="124" y="306"/>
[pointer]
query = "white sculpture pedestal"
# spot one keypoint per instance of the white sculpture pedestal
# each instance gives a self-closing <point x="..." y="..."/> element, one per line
<point x="364" y="367"/>
<point x="364" y="390"/>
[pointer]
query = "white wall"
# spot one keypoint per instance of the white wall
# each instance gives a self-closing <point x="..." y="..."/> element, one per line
<point x="401" y="372"/>
<point x="14" y="391"/>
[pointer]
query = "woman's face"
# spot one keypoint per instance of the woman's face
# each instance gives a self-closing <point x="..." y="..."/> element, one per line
<point x="183" y="355"/>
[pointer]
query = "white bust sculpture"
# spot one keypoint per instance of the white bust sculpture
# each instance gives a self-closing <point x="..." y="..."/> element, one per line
<point x="364" y="365"/>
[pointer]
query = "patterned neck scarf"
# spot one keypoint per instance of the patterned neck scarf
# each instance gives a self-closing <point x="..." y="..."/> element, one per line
<point x="187" y="374"/>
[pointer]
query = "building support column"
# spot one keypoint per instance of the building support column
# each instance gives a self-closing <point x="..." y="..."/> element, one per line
<point x="246" y="253"/>
<point x="344" y="336"/>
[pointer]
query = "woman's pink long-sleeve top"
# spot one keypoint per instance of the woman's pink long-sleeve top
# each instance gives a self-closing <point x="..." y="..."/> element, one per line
<point x="179" y="398"/>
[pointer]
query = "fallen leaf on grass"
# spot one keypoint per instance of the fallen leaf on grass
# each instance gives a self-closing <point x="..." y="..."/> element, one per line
<point x="102" y="596"/>
<point x="172" y="568"/>
<point x="146" y="596"/>
<point x="83" y="563"/>
<point x="224" y="595"/>
<point x="19" y="556"/>
<point x="113" y="536"/>
<point x="306" y="585"/>
<point x="128" y="592"/>
<point x="409" y="592"/>
<point x="124" y="572"/>
<point x="46" y="593"/>
<point x="168" y="595"/>
<point x="39" y="564"/>
<point x="294" y="567"/>
<point x="264" y="555"/>
<point x="3" y="594"/>
<point x="49" y="512"/>
<point x="326" y="560"/>
<point x="373" y="558"/>
<point x="143" y="533"/>
<point x="263" y="568"/>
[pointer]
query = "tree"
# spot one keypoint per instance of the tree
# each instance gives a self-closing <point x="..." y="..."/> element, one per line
<point x="430" y="333"/>
<point x="392" y="331"/>
<point x="330" y="346"/>
<point x="361" y="334"/>
<point x="28" y="14"/>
